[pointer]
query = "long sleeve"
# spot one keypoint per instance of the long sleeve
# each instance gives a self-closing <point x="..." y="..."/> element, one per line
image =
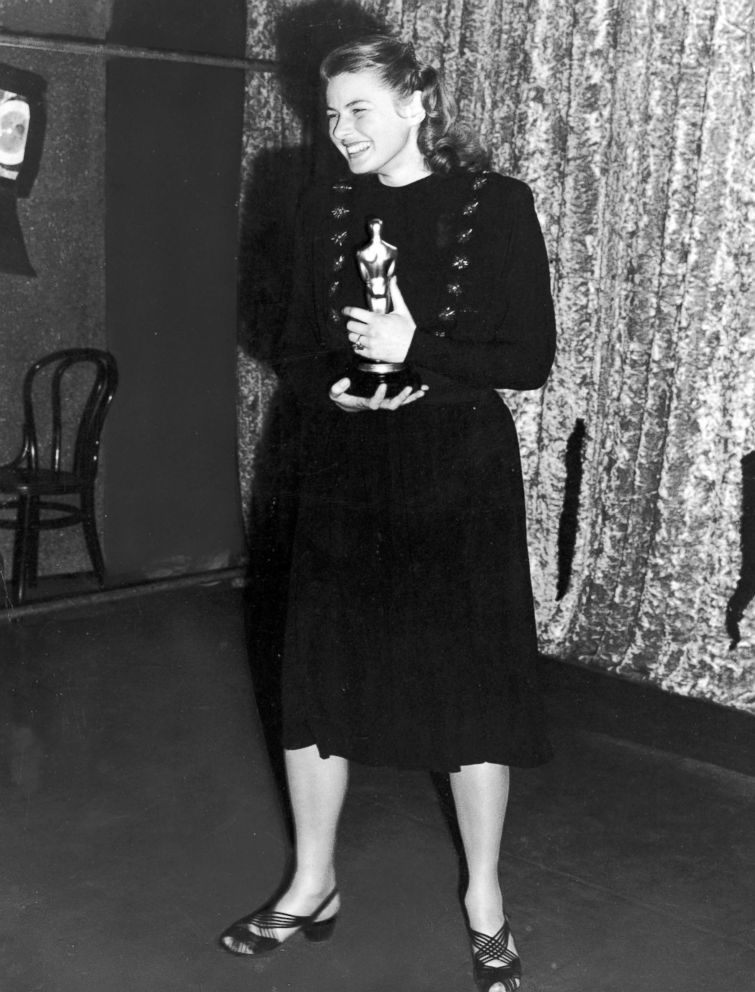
<point x="505" y="334"/>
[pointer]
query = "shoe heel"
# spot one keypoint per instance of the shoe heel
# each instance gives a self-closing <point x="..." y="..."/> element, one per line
<point x="317" y="932"/>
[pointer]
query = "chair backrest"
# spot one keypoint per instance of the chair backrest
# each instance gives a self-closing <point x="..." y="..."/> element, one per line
<point x="81" y="419"/>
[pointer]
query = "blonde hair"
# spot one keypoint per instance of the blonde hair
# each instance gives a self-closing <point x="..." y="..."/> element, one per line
<point x="446" y="144"/>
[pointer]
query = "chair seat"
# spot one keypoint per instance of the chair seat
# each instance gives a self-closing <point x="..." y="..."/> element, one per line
<point x="43" y="482"/>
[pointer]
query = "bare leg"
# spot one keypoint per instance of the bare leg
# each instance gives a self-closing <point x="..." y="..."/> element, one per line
<point x="481" y="794"/>
<point x="317" y="787"/>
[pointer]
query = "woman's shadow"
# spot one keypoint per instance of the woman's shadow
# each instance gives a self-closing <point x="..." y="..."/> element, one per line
<point x="273" y="182"/>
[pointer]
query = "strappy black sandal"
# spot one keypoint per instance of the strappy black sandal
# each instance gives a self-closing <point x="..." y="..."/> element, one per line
<point x="240" y="939"/>
<point x="486" y="949"/>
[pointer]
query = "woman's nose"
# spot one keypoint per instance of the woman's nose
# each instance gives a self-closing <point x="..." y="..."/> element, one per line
<point x="340" y="128"/>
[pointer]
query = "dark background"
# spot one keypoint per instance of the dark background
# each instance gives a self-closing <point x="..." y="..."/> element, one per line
<point x="131" y="227"/>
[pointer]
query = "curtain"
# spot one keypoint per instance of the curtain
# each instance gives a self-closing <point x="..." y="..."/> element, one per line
<point x="633" y="123"/>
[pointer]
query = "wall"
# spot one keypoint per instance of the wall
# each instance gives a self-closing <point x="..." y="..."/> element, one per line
<point x="132" y="229"/>
<point x="63" y="222"/>
<point x="634" y="125"/>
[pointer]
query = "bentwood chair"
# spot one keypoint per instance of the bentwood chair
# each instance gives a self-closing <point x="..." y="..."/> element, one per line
<point x="66" y="397"/>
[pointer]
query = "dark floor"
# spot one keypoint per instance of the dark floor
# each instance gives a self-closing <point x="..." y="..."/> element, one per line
<point x="139" y="817"/>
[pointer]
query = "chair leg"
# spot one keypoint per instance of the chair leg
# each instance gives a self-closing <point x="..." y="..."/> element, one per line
<point x="89" y="523"/>
<point x="24" y="514"/>
<point x="5" y="599"/>
<point x="32" y="544"/>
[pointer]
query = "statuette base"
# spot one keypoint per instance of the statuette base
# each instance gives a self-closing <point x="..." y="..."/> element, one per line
<point x="366" y="376"/>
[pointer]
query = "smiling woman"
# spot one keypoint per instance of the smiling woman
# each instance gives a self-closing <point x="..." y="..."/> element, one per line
<point x="375" y="131"/>
<point x="410" y="636"/>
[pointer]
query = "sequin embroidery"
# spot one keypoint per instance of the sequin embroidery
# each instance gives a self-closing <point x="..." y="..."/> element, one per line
<point x="339" y="212"/>
<point x="449" y="312"/>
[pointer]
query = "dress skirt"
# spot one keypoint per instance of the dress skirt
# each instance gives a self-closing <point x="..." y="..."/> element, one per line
<point x="410" y="637"/>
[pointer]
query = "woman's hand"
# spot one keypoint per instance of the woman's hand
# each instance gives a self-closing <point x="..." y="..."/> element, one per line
<point x="339" y="393"/>
<point x="381" y="337"/>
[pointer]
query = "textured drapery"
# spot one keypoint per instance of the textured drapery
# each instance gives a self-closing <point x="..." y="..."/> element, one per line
<point x="633" y="123"/>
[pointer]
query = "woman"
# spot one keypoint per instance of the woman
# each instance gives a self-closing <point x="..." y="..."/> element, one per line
<point x="410" y="636"/>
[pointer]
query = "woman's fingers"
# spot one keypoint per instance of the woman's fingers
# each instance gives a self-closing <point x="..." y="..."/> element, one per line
<point x="379" y="396"/>
<point x="398" y="400"/>
<point x="359" y="341"/>
<point x="405" y="396"/>
<point x="358" y="314"/>
<point x="417" y="395"/>
<point x="338" y="388"/>
<point x="340" y="395"/>
<point x="381" y="337"/>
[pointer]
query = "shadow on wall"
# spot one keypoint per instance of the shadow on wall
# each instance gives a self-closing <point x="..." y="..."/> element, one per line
<point x="569" y="521"/>
<point x="304" y="35"/>
<point x="745" y="591"/>
<point x="743" y="594"/>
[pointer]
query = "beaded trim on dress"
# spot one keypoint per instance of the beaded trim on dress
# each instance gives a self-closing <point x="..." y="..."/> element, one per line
<point x="450" y="305"/>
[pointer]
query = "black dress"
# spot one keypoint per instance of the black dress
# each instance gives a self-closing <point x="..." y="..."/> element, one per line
<point x="410" y="636"/>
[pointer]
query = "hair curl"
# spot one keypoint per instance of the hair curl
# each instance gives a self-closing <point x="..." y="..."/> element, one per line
<point x="446" y="144"/>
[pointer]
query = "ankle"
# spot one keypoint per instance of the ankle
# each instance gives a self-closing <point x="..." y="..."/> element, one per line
<point x="484" y="901"/>
<point x="313" y="884"/>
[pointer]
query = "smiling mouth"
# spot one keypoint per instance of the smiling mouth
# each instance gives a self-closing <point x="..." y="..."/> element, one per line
<point x="357" y="148"/>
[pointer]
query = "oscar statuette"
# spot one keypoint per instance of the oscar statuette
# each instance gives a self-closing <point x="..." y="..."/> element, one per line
<point x="377" y="265"/>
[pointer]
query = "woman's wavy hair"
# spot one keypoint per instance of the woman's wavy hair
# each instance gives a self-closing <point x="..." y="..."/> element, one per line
<point x="447" y="144"/>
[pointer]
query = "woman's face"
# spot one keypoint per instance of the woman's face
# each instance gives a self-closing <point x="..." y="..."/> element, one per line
<point x="372" y="130"/>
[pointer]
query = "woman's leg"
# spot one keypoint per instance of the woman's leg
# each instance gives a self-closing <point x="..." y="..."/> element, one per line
<point x="317" y="788"/>
<point x="480" y="794"/>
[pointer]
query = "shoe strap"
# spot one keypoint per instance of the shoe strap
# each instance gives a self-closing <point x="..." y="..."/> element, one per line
<point x="269" y="921"/>
<point x="495" y="948"/>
